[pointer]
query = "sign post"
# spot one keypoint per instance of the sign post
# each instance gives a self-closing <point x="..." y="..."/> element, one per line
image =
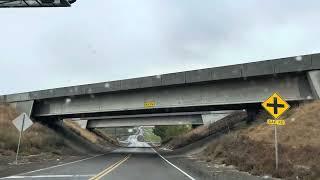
<point x="275" y="105"/>
<point x="276" y="146"/>
<point x="19" y="142"/>
<point x="22" y="123"/>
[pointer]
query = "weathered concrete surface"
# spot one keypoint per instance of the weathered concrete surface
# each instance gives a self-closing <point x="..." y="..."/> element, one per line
<point x="145" y="121"/>
<point x="227" y="92"/>
<point x="262" y="68"/>
<point x="314" y="81"/>
<point x="23" y="106"/>
<point x="211" y="118"/>
<point x="195" y="118"/>
<point x="220" y="88"/>
<point x="81" y="123"/>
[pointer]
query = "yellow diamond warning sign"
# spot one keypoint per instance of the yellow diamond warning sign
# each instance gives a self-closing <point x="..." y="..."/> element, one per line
<point x="275" y="105"/>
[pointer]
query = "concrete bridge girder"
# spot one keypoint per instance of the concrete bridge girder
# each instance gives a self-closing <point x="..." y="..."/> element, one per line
<point x="146" y="121"/>
<point x="194" y="118"/>
<point x="235" y="91"/>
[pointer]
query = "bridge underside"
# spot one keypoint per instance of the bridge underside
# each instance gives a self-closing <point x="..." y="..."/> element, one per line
<point x="145" y="121"/>
<point x="195" y="118"/>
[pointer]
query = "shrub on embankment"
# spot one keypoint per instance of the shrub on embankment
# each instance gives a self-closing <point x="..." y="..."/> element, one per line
<point x="166" y="133"/>
<point x="38" y="138"/>
<point x="251" y="149"/>
<point x="204" y="131"/>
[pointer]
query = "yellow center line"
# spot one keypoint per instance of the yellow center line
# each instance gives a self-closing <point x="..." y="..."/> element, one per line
<point x="110" y="168"/>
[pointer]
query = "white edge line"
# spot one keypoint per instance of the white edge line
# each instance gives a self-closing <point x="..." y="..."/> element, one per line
<point x="186" y="174"/>
<point x="49" y="176"/>
<point x="51" y="167"/>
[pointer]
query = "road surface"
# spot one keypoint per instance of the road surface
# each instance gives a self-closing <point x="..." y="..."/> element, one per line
<point x="121" y="164"/>
<point x="136" y="162"/>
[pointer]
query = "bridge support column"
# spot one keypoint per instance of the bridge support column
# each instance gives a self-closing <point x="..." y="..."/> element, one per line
<point x="23" y="107"/>
<point x="314" y="81"/>
<point x="212" y="118"/>
<point x="82" y="123"/>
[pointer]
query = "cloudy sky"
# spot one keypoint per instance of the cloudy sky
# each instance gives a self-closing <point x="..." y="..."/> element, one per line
<point x="102" y="40"/>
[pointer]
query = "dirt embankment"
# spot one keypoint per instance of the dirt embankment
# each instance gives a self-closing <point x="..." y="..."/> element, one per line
<point x="251" y="148"/>
<point x="93" y="136"/>
<point x="44" y="144"/>
<point x="38" y="138"/>
<point x="201" y="132"/>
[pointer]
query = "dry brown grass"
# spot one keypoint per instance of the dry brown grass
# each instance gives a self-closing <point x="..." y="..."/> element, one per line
<point x="94" y="137"/>
<point x="36" y="139"/>
<point x="106" y="137"/>
<point x="82" y="132"/>
<point x="252" y="149"/>
<point x="205" y="131"/>
<point x="302" y="128"/>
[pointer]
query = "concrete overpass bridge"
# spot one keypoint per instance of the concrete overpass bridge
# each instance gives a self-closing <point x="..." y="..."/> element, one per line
<point x="235" y="87"/>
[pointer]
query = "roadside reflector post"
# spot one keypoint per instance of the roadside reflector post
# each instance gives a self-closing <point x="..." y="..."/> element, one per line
<point x="275" y="105"/>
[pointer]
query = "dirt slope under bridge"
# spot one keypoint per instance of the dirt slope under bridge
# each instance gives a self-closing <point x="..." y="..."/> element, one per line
<point x="251" y="148"/>
<point x="44" y="143"/>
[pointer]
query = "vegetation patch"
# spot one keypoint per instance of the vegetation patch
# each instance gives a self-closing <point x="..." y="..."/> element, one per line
<point x="251" y="148"/>
<point x="166" y="133"/>
<point x="190" y="136"/>
<point x="38" y="138"/>
<point x="149" y="136"/>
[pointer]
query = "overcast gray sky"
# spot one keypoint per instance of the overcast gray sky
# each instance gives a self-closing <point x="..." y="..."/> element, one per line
<point x="102" y="40"/>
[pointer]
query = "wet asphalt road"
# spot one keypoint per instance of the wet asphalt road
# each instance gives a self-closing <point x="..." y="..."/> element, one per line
<point x="136" y="162"/>
<point x="121" y="164"/>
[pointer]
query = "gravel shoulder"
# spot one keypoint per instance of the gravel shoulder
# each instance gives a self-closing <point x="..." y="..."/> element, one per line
<point x="209" y="170"/>
<point x="33" y="162"/>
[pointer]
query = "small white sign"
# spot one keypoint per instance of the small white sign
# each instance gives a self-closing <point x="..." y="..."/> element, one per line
<point x="19" y="121"/>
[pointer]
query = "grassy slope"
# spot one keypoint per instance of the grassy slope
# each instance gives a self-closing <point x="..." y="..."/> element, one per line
<point x="82" y="132"/>
<point x="204" y="131"/>
<point x="251" y="149"/>
<point x="36" y="139"/>
<point x="39" y="138"/>
<point x="149" y="136"/>
<point x="95" y="137"/>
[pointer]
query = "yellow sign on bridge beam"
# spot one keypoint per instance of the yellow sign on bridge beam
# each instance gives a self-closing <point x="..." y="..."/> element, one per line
<point x="149" y="104"/>
<point x="275" y="105"/>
